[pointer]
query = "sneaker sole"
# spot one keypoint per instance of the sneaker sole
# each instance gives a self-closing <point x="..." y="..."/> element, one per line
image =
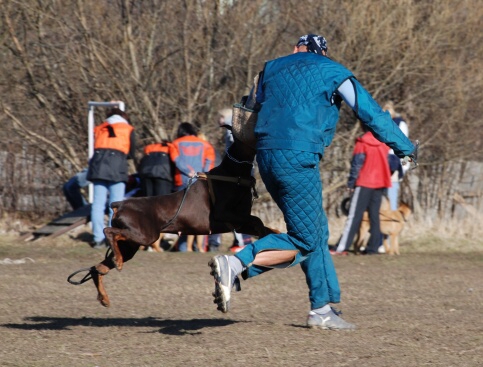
<point x="219" y="294"/>
<point x="318" y="327"/>
<point x="313" y="324"/>
<point x="321" y="327"/>
<point x="325" y="327"/>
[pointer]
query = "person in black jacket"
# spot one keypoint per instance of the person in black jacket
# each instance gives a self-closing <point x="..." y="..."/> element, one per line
<point x="156" y="169"/>
<point x="156" y="173"/>
<point x="114" y="143"/>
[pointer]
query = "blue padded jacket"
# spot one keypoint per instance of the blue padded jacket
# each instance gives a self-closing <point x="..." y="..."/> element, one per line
<point x="299" y="109"/>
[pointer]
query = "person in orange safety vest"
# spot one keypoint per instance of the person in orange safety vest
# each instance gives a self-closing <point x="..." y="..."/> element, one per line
<point x="156" y="169"/>
<point x="114" y="144"/>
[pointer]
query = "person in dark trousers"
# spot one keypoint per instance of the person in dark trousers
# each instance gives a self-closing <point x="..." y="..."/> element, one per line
<point x="369" y="177"/>
<point x="156" y="169"/>
<point x="72" y="189"/>
<point x="299" y="97"/>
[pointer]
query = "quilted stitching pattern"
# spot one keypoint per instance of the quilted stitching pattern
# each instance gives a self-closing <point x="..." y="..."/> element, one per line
<point x="291" y="94"/>
<point x="292" y="178"/>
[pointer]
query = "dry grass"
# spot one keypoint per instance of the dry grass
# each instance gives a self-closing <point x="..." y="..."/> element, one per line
<point x="438" y="236"/>
<point x="445" y="235"/>
<point x="418" y="236"/>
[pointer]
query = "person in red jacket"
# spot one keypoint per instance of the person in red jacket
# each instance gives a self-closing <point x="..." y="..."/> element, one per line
<point x="369" y="177"/>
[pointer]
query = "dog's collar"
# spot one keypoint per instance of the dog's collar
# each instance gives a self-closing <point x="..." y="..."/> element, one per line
<point x="248" y="182"/>
<point x="402" y="214"/>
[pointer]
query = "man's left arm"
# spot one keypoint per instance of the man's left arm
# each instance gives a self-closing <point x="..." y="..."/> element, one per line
<point x="371" y="114"/>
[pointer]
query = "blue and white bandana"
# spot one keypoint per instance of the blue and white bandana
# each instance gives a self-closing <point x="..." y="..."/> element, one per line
<point x="315" y="44"/>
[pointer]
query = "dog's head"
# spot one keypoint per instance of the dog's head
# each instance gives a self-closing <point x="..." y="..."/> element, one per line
<point x="405" y="211"/>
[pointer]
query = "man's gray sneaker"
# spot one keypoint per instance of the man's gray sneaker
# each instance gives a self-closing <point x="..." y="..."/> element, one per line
<point x="225" y="279"/>
<point x="328" y="321"/>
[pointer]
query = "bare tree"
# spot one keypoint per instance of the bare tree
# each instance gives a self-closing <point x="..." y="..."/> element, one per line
<point x="183" y="61"/>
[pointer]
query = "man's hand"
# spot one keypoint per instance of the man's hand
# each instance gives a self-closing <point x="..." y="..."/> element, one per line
<point x="412" y="159"/>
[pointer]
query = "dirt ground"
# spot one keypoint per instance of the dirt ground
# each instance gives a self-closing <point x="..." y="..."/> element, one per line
<point x="418" y="309"/>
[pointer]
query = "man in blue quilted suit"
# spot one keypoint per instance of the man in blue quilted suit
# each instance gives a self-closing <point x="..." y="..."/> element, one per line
<point x="300" y="96"/>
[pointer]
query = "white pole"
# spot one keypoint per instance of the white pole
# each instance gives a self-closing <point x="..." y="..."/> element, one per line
<point x="90" y="132"/>
<point x="90" y="148"/>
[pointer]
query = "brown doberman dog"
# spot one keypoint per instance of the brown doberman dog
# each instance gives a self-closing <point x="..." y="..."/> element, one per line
<point x="219" y="201"/>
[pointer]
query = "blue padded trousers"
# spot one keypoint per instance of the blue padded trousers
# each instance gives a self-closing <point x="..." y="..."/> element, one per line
<point x="293" y="180"/>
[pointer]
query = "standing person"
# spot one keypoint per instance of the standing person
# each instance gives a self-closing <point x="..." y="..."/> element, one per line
<point x="369" y="177"/>
<point x="156" y="169"/>
<point x="156" y="173"/>
<point x="114" y="144"/>
<point x="299" y="97"/>
<point x="399" y="170"/>
<point x="190" y="154"/>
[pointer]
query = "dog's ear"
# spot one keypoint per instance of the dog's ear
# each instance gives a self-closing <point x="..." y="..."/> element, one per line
<point x="406" y="204"/>
<point x="405" y="210"/>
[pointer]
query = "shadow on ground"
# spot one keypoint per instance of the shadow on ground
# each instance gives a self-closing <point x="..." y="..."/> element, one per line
<point x="168" y="327"/>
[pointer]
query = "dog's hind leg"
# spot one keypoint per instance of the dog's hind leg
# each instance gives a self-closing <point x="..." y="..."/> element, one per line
<point x="396" y="244"/>
<point x="255" y="227"/>
<point x="358" y="243"/>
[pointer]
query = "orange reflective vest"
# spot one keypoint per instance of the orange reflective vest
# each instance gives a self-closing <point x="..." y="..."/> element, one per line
<point x="113" y="136"/>
<point x="157" y="148"/>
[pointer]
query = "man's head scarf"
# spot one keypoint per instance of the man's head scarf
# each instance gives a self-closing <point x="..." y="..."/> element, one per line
<point x="315" y="44"/>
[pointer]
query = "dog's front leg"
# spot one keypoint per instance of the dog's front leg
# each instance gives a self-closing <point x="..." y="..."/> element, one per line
<point x="97" y="274"/>
<point x="112" y="237"/>
<point x="392" y="244"/>
<point x="387" y="242"/>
